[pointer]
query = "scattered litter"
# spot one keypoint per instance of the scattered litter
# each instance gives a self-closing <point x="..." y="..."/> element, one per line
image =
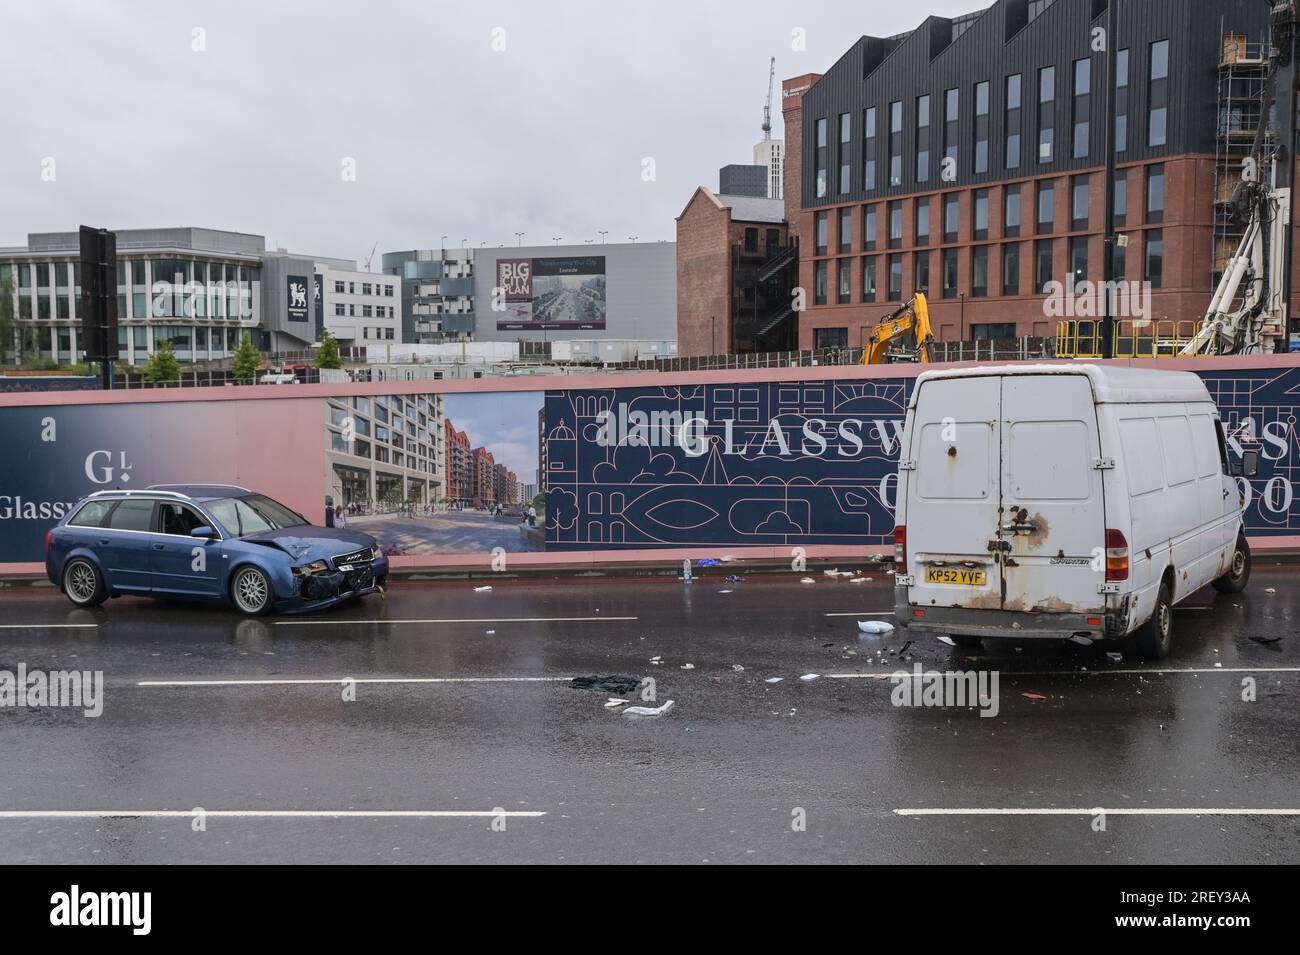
<point x="727" y="559"/>
<point x="831" y="573"/>
<point x="734" y="578"/>
<point x="1218" y="664"/>
<point x="726" y="591"/>
<point x="606" y="684"/>
<point x="903" y="648"/>
<point x="687" y="666"/>
<point x="1117" y="657"/>
<point x="809" y="677"/>
<point x="738" y="668"/>
<point x="657" y="661"/>
<point x="614" y="702"/>
<point x="875" y="626"/>
<point x="774" y="679"/>
<point x="1270" y="590"/>
<point x="858" y="580"/>
<point x="877" y="558"/>
<point x="1081" y="640"/>
<point x="489" y="632"/>
<point x="807" y="580"/>
<point x="648" y="711"/>
<point x="1033" y="696"/>
<point x="710" y="562"/>
<point x="1266" y="640"/>
<point x="479" y="590"/>
<point x="942" y="639"/>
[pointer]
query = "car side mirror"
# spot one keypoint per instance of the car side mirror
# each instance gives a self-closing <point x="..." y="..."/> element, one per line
<point x="204" y="531"/>
<point x="1249" y="465"/>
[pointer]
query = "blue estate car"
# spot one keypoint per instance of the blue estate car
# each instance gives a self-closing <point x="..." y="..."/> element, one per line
<point x="213" y="541"/>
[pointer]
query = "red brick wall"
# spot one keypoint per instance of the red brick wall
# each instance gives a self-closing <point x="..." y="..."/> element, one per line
<point x="703" y="276"/>
<point x="1188" y="261"/>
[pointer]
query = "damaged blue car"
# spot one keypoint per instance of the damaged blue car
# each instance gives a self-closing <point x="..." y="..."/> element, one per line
<point x="209" y="541"/>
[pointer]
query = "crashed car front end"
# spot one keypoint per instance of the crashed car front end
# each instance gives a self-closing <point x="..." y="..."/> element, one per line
<point x="328" y="580"/>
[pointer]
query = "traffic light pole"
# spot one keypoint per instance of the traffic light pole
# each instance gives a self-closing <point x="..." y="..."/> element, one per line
<point x="1110" y="239"/>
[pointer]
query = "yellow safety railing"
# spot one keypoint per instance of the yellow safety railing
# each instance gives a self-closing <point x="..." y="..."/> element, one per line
<point x="1132" y="339"/>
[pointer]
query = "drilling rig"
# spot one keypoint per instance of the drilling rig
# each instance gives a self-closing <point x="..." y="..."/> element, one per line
<point x="1249" y="313"/>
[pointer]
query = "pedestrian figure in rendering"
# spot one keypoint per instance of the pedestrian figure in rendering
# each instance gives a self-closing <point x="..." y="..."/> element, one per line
<point x="341" y="517"/>
<point x="329" y="512"/>
<point x="532" y="516"/>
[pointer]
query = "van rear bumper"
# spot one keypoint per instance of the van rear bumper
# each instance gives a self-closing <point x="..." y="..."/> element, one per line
<point x="1019" y="625"/>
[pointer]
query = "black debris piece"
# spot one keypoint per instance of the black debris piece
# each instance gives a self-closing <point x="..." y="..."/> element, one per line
<point x="606" y="684"/>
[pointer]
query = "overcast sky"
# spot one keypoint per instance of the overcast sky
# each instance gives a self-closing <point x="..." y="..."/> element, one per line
<point x="447" y="135"/>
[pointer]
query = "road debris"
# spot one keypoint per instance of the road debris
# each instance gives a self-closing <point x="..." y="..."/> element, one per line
<point x="643" y="712"/>
<point x="809" y="677"/>
<point x="482" y="590"/>
<point x="606" y="684"/>
<point x="877" y="626"/>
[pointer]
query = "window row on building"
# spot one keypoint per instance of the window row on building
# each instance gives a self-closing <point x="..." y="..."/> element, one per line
<point x="984" y="271"/>
<point x="1046" y="115"/>
<point x="1009" y="210"/>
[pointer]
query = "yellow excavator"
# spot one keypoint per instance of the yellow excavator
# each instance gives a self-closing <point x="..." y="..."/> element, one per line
<point x="906" y="335"/>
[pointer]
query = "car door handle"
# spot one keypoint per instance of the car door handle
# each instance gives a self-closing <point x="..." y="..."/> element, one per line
<point x="103" y="540"/>
<point x="159" y="546"/>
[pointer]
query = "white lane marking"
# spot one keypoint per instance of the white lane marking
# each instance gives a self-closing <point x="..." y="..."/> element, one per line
<point x="863" y="613"/>
<point x="349" y="623"/>
<point x="1092" y="812"/>
<point x="1016" y="673"/>
<point x="46" y="626"/>
<point x="261" y="813"/>
<point x="340" y="681"/>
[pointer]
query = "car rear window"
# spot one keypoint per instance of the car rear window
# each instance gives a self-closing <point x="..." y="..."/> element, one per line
<point x="92" y="515"/>
<point x="132" y="516"/>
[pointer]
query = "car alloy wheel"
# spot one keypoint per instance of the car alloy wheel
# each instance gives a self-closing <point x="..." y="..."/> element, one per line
<point x="251" y="590"/>
<point x="81" y="581"/>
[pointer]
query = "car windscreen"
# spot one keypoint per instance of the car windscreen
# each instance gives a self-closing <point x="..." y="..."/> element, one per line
<point x="252" y="514"/>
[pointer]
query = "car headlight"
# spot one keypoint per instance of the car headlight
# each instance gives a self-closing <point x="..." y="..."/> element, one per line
<point x="376" y="553"/>
<point x="315" y="567"/>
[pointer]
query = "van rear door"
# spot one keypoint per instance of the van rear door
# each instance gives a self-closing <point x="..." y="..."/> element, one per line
<point x="1053" y="513"/>
<point x="953" y="493"/>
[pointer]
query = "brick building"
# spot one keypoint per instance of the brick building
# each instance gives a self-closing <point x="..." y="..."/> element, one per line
<point x="966" y="158"/>
<point x="483" y="488"/>
<point x="505" y="485"/>
<point x="460" y="466"/>
<point x="735" y="268"/>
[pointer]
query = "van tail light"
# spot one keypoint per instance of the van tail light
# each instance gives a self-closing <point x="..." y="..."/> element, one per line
<point x="900" y="548"/>
<point x="1116" y="555"/>
<point x="49" y="542"/>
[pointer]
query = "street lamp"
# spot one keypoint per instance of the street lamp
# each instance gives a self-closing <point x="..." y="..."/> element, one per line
<point x="556" y="239"/>
<point x="633" y="238"/>
<point x="603" y="233"/>
<point x="520" y="237"/>
<point x="443" y="243"/>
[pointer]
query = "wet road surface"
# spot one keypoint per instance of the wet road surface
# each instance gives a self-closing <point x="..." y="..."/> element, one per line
<point x="470" y="711"/>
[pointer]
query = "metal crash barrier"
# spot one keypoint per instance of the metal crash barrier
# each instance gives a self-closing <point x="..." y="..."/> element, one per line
<point x="1132" y="339"/>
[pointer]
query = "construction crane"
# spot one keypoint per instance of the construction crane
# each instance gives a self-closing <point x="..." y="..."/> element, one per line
<point x="1249" y="311"/>
<point x="767" y="109"/>
<point x="370" y="258"/>
<point x="903" y="336"/>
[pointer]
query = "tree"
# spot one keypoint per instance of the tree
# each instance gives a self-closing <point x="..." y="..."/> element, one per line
<point x="327" y="356"/>
<point x="246" y="361"/>
<point x="6" y="318"/>
<point x="162" y="364"/>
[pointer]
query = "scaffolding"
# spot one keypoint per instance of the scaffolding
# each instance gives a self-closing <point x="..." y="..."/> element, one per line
<point x="1243" y="80"/>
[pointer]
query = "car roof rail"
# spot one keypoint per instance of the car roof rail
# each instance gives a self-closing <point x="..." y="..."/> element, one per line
<point x="143" y="492"/>
<point x="233" y="487"/>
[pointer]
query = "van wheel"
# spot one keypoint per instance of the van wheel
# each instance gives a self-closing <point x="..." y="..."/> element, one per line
<point x="965" y="640"/>
<point x="1238" y="575"/>
<point x="1154" y="636"/>
<point x="83" y="583"/>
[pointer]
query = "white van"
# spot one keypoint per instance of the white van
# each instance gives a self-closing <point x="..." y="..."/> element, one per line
<point x="1063" y="501"/>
